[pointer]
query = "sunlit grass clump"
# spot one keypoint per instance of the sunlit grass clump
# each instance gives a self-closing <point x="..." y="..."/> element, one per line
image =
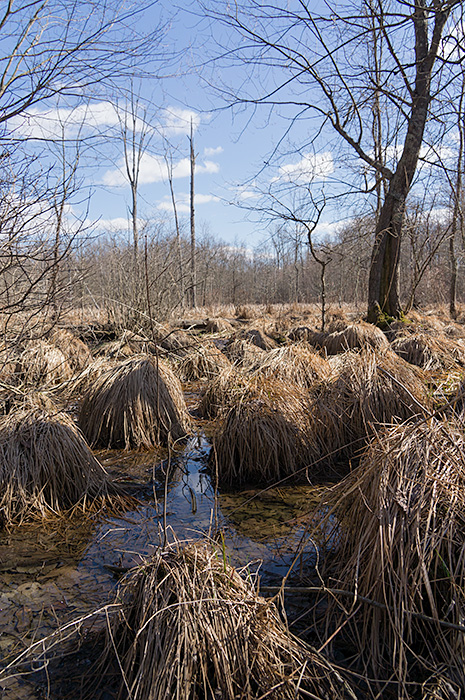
<point x="190" y="626"/>
<point x="46" y="466"/>
<point x="264" y="437"/>
<point x="136" y="404"/>
<point x="400" y="543"/>
<point x="203" y="361"/>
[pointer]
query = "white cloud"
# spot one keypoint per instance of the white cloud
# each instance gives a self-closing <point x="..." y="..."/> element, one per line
<point x="178" y="122"/>
<point x="209" y="151"/>
<point x="183" y="202"/>
<point x="58" y="121"/>
<point x="153" y="169"/>
<point x="311" y="167"/>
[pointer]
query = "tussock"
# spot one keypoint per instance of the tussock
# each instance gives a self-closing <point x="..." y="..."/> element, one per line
<point x="265" y="436"/>
<point x="365" y="389"/>
<point x="42" y="364"/>
<point x="191" y="627"/>
<point x="243" y="353"/>
<point x="138" y="403"/>
<point x="294" y="363"/>
<point x="46" y="467"/>
<point x="430" y="352"/>
<point x="177" y="341"/>
<point x="218" y="325"/>
<point x="257" y="337"/>
<point x="202" y="362"/>
<point x="300" y="334"/>
<point x="222" y="392"/>
<point x="401" y="541"/>
<point x="81" y="383"/>
<point x="355" y="336"/>
<point x="76" y="352"/>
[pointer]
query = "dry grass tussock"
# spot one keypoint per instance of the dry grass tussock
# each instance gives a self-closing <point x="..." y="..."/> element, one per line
<point x="434" y="352"/>
<point x="219" y="325"/>
<point x="43" y="364"/>
<point x="364" y="390"/>
<point x="401" y="543"/>
<point x="138" y="403"/>
<point x="46" y="467"/>
<point x="298" y="364"/>
<point x="223" y="391"/>
<point x="352" y="337"/>
<point x="257" y="336"/>
<point x="202" y="362"/>
<point x="265" y="436"/>
<point x="80" y="383"/>
<point x="76" y="352"/>
<point x="243" y="353"/>
<point x="191" y="627"/>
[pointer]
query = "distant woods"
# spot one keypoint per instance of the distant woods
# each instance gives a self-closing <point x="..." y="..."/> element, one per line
<point x="281" y="270"/>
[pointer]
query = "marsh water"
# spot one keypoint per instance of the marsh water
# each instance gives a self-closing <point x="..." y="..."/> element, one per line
<point x="50" y="576"/>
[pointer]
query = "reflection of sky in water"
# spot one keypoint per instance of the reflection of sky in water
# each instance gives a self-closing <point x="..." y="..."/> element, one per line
<point x="192" y="512"/>
<point x="46" y="578"/>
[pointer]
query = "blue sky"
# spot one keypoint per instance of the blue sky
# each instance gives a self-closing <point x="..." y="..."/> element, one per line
<point x="232" y="146"/>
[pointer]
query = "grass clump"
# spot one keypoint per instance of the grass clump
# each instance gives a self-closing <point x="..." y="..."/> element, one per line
<point x="365" y="390"/>
<point x="136" y="404"/>
<point x="202" y="362"/>
<point x="294" y="363"/>
<point x="356" y="336"/>
<point x="401" y="544"/>
<point x="264" y="437"/>
<point x="43" y="364"/>
<point x="190" y="627"/>
<point x="223" y="391"/>
<point x="46" y="466"/>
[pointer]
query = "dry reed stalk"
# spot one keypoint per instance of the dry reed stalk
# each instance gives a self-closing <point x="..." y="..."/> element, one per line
<point x="46" y="467"/>
<point x="401" y="544"/>
<point x="202" y="362"/>
<point x="190" y="627"/>
<point x="138" y="403"/>
<point x="265" y="436"/>
<point x="42" y="364"/>
<point x="243" y="353"/>
<point x="298" y="364"/>
<point x="365" y="390"/>
<point x="76" y="352"/>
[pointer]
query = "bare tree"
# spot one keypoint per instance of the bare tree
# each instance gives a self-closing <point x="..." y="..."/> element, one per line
<point x="310" y="64"/>
<point x="193" y="282"/>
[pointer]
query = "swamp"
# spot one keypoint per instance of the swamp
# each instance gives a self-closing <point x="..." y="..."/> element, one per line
<point x="220" y="519"/>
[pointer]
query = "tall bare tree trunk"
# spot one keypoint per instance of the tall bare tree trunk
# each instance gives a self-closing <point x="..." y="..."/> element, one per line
<point x="169" y="168"/>
<point x="383" y="284"/>
<point x="457" y="214"/>
<point x="193" y="295"/>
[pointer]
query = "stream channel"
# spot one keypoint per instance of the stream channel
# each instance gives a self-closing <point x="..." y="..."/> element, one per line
<point x="51" y="575"/>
